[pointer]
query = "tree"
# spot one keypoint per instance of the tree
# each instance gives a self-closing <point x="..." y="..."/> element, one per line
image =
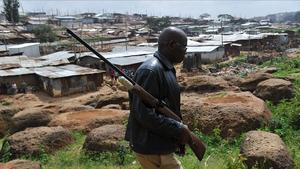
<point x="44" y="33"/>
<point x="204" y="15"/>
<point x="157" y="24"/>
<point x="11" y="10"/>
<point x="225" y="16"/>
<point x="298" y="31"/>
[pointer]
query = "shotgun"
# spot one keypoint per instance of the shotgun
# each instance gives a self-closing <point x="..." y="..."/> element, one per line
<point x="194" y="142"/>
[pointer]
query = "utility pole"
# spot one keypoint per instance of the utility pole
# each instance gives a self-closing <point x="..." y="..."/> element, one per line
<point x="126" y="36"/>
<point x="249" y="42"/>
<point x="222" y="32"/>
<point x="5" y="42"/>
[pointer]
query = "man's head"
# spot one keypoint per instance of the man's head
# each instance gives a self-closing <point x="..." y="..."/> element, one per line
<point x="172" y="43"/>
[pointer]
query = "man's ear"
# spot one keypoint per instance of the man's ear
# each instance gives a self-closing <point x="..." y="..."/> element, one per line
<point x="171" y="44"/>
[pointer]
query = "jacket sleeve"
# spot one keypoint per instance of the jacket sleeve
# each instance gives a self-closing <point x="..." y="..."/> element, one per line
<point x="148" y="117"/>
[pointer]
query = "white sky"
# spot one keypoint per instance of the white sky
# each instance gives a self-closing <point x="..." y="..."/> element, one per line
<point x="184" y="8"/>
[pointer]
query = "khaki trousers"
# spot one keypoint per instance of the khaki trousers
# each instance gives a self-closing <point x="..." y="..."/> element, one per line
<point x="167" y="161"/>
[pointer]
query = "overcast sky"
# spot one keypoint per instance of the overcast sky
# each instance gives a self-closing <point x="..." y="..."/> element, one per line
<point x="183" y="8"/>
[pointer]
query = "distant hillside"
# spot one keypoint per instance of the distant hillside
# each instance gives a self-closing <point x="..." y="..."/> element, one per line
<point x="282" y="17"/>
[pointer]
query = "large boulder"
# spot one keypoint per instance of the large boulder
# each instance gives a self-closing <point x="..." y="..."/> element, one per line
<point x="274" y="90"/>
<point x="105" y="138"/>
<point x="115" y="98"/>
<point x="251" y="81"/>
<point x="72" y="108"/>
<point x="87" y="120"/>
<point x="204" y="84"/>
<point x="34" y="141"/>
<point x="233" y="80"/>
<point x="20" y="164"/>
<point x="30" y="118"/>
<point x="231" y="112"/>
<point x="6" y="114"/>
<point x="265" y="150"/>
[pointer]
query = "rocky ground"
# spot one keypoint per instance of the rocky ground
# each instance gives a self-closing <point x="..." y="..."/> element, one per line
<point x="225" y="101"/>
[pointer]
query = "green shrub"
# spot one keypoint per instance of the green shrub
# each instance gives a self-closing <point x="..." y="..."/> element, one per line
<point x="5" y="154"/>
<point x="45" y="33"/>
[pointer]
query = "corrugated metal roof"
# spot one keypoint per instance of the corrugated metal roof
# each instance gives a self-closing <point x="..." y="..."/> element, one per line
<point x="192" y="43"/>
<point x="11" y="35"/>
<point x="237" y="37"/>
<point x="66" y="17"/>
<point x="15" y="72"/>
<point x="125" y="61"/>
<point x="9" y="66"/>
<point x="212" y="43"/>
<point x="126" y="54"/>
<point x="109" y="55"/>
<point x="84" y="54"/>
<point x="51" y="71"/>
<point x="58" y="55"/>
<point x="4" y="48"/>
<point x="203" y="49"/>
<point x="65" y="71"/>
<point x="23" y="45"/>
<point x="28" y="35"/>
<point x="13" y="59"/>
<point x="52" y="59"/>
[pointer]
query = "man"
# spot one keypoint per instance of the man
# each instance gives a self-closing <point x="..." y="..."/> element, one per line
<point x="152" y="136"/>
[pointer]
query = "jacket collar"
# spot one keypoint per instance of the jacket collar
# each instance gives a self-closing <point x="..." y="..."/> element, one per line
<point x="167" y="64"/>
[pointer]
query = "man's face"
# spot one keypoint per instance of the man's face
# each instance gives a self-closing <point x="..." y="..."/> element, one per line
<point x="179" y="50"/>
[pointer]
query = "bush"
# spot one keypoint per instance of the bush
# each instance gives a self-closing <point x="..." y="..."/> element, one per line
<point x="45" y="33"/>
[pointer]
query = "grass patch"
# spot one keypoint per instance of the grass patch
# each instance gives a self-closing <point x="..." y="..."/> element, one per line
<point x="236" y="61"/>
<point x="285" y="65"/>
<point x="73" y="157"/>
<point x="286" y="115"/>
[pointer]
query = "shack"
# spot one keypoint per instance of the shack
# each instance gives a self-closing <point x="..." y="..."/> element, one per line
<point x="68" y="79"/>
<point x="128" y="64"/>
<point x="126" y="61"/>
<point x="195" y="56"/>
<point x="18" y="76"/>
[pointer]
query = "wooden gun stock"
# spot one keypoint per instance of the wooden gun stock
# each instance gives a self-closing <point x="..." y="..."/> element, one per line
<point x="197" y="146"/>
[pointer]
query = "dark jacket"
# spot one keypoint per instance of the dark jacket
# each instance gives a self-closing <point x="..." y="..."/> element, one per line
<point x="148" y="131"/>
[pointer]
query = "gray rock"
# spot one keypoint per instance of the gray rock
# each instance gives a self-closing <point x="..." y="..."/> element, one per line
<point x="30" y="118"/>
<point x="105" y="138"/>
<point x="87" y="120"/>
<point x="6" y="114"/>
<point x="20" y="164"/>
<point x="265" y="150"/>
<point x="115" y="98"/>
<point x="274" y="90"/>
<point x="204" y="84"/>
<point x="231" y="112"/>
<point x="252" y="80"/>
<point x="34" y="141"/>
